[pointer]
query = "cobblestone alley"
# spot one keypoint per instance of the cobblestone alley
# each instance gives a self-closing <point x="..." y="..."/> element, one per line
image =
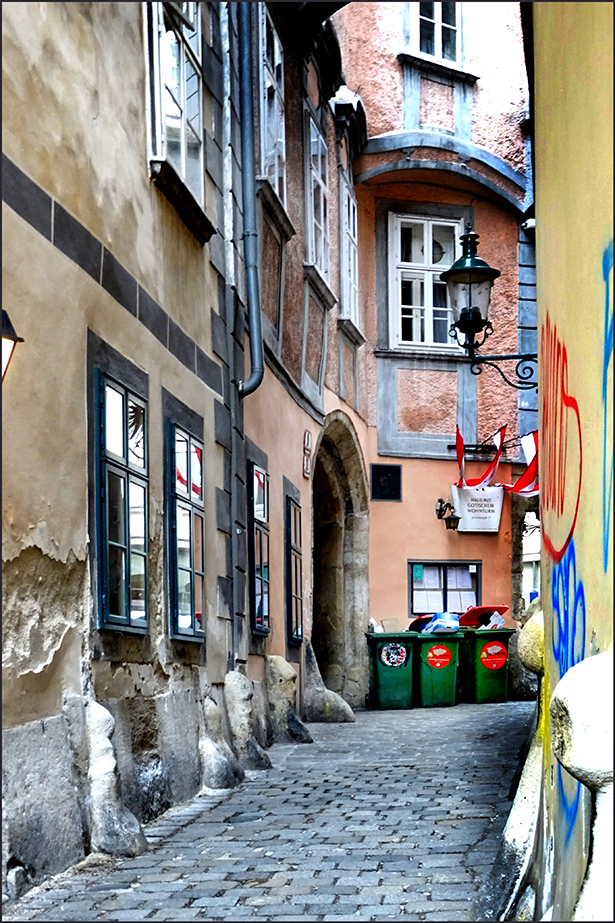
<point x="395" y="817"/>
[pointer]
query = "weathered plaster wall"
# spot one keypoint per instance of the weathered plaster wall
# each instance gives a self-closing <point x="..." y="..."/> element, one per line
<point x="574" y="219"/>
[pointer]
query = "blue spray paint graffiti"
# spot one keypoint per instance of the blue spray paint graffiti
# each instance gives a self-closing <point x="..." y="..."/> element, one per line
<point x="568" y="643"/>
<point x="607" y="465"/>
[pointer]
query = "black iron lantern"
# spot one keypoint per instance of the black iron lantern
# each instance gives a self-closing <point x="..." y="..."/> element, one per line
<point x="452" y="520"/>
<point x="9" y="340"/>
<point x="469" y="282"/>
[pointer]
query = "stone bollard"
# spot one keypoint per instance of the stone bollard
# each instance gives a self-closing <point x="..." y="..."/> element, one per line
<point x="281" y="682"/>
<point x="321" y="704"/>
<point x="238" y="693"/>
<point x="114" y="829"/>
<point x="582" y="734"/>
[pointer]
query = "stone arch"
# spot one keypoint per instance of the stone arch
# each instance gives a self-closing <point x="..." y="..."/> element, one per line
<point x="340" y="543"/>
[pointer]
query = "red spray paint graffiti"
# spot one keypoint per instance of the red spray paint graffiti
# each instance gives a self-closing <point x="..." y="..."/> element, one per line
<point x="561" y="446"/>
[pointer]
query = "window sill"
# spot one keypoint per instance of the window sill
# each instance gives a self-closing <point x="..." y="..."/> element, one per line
<point x="260" y="632"/>
<point x="350" y="330"/>
<point x="172" y="186"/>
<point x="431" y="66"/>
<point x="120" y="626"/>
<point x="315" y="279"/>
<point x="195" y="639"/>
<point x="418" y="352"/>
<point x="275" y="209"/>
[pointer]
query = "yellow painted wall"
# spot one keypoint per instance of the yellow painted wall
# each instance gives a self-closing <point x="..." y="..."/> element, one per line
<point x="574" y="238"/>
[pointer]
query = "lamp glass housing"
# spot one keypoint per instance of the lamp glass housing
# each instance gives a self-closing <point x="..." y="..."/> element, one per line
<point x="9" y="339"/>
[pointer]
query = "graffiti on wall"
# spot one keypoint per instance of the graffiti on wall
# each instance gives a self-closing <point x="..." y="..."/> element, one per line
<point x="561" y="494"/>
<point x="607" y="454"/>
<point x="561" y="445"/>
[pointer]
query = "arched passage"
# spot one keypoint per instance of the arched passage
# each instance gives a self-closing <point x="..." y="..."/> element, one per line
<point x="340" y="560"/>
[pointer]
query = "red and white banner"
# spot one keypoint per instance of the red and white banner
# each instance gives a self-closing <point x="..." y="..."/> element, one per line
<point x="478" y="501"/>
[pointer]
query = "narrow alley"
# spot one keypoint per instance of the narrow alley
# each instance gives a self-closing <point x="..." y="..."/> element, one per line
<point x="395" y="816"/>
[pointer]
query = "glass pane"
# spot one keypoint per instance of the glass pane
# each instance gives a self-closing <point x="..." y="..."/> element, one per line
<point x="116" y="511"/>
<point x="426" y="9"/>
<point x="193" y="97"/>
<point x="184" y="599"/>
<point x="265" y="554"/>
<point x="412" y="290"/>
<point x="258" y="601"/>
<point x="441" y="324"/>
<point x="448" y="13"/>
<point x="169" y="62"/>
<point x="136" y="434"/>
<point x="257" y="551"/>
<point x="193" y="34"/>
<point x="412" y="249"/>
<point x="194" y="166"/>
<point x="137" y="587"/>
<point x="269" y="43"/>
<point x="181" y="464"/>
<point x="426" y="39"/>
<point x="443" y="245"/>
<point x="317" y="202"/>
<point x="173" y="124"/>
<point x="197" y="541"/>
<point x="196" y="472"/>
<point x="413" y="325"/>
<point x="265" y="599"/>
<point x="136" y="497"/>
<point x="449" y="43"/>
<point x="183" y="537"/>
<point x="260" y="505"/>
<point x="116" y="580"/>
<point x="114" y="421"/>
<point x="439" y="295"/>
<point x="198" y="604"/>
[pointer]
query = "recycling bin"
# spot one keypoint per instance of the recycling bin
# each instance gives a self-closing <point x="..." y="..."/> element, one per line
<point x="436" y="658"/>
<point x="391" y="669"/>
<point x="483" y="665"/>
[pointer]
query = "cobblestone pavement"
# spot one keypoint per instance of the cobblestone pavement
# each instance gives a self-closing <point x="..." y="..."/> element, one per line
<point x="395" y="817"/>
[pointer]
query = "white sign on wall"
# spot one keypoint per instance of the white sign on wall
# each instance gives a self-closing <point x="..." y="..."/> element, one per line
<point x="480" y="508"/>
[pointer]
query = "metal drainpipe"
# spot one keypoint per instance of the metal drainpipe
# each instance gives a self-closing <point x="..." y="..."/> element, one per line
<point x="249" y="203"/>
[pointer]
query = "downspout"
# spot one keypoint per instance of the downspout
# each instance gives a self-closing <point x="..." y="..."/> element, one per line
<point x="249" y="203"/>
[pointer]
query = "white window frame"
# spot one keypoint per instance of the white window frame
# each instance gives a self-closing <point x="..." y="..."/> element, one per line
<point x="184" y="20"/>
<point x="317" y="218"/>
<point x="349" y="263"/>
<point x="415" y="33"/>
<point x="272" y="118"/>
<point x="429" y="270"/>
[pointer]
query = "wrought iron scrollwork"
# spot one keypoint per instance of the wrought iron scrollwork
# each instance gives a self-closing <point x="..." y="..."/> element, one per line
<point x="525" y="369"/>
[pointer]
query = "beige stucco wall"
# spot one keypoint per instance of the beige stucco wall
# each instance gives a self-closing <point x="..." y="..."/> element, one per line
<point x="574" y="183"/>
<point x="75" y="122"/>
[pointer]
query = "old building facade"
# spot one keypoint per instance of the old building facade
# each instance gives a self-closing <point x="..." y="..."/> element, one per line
<point x="176" y="530"/>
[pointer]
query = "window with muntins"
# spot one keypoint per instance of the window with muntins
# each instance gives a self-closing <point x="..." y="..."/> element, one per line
<point x="177" y="91"/>
<point x="318" y="199"/>
<point x="187" y="534"/>
<point x="438" y="30"/>
<point x="294" y="572"/>
<point x="349" y="251"/>
<point x="271" y="75"/>
<point x="123" y="505"/>
<point x="439" y="586"/>
<point x="258" y="498"/>
<point x="419" y="250"/>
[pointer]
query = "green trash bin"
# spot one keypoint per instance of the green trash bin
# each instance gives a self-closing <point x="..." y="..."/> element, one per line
<point x="391" y="669"/>
<point x="484" y="665"/>
<point x="436" y="659"/>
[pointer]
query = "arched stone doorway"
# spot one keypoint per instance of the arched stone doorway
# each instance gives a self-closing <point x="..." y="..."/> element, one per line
<point x="340" y="560"/>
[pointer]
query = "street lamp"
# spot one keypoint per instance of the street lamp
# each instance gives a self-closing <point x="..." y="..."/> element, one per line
<point x="452" y="520"/>
<point x="9" y="339"/>
<point x="469" y="282"/>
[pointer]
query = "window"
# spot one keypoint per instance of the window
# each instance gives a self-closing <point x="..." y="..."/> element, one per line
<point x="271" y="75"/>
<point x="258" y="488"/>
<point x="438" y="30"/>
<point x="318" y="199"/>
<point x="437" y="586"/>
<point x="294" y="572"/>
<point x="177" y="91"/>
<point x="186" y="534"/>
<point x="420" y="249"/>
<point x="123" y="499"/>
<point x="349" y="251"/>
